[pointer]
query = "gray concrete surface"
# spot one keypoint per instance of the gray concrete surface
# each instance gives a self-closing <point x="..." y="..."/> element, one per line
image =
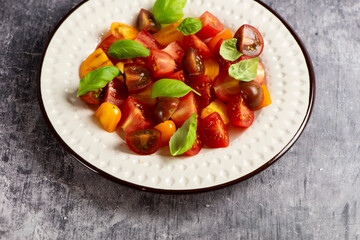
<point x="310" y="193"/>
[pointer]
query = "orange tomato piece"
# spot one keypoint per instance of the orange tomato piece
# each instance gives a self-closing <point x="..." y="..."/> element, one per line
<point x="226" y="34"/>
<point x="169" y="34"/>
<point x="267" y="99"/>
<point x="167" y="129"/>
<point x="123" y="31"/>
<point x="216" y="106"/>
<point x="145" y="96"/>
<point x="94" y="61"/>
<point x="211" y="68"/>
<point x="109" y="116"/>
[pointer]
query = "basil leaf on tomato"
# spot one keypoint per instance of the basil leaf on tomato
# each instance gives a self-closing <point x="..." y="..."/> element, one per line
<point x="168" y="11"/>
<point x="170" y="88"/>
<point x="245" y="70"/>
<point x="189" y="26"/>
<point x="184" y="138"/>
<point x="125" y="49"/>
<point x="228" y="50"/>
<point x="97" y="79"/>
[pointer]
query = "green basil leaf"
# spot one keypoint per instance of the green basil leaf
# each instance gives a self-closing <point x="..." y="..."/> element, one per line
<point x="170" y="88"/>
<point x="245" y="70"/>
<point x="228" y="50"/>
<point x="168" y="11"/>
<point x="184" y="138"/>
<point x="125" y="49"/>
<point x="189" y="26"/>
<point x="97" y="79"/>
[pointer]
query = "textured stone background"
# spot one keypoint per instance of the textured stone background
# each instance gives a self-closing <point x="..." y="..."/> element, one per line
<point x="310" y="193"/>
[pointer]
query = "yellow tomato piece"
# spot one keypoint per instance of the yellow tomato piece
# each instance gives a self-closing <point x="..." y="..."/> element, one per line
<point x="211" y="68"/>
<point x="168" y="34"/>
<point x="267" y="99"/>
<point x="109" y="116"/>
<point x="145" y="96"/>
<point x="167" y="129"/>
<point x="216" y="106"/>
<point x="123" y="31"/>
<point x="94" y="61"/>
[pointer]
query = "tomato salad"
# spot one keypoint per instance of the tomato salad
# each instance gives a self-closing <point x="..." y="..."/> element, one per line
<point x="175" y="82"/>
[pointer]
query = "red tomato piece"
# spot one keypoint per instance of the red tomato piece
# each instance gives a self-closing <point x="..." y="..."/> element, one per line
<point x="137" y="77"/>
<point x="107" y="42"/>
<point x="211" y="26"/>
<point x="186" y="108"/>
<point x="92" y="97"/>
<point x="179" y="75"/>
<point x="195" y="149"/>
<point x="203" y="85"/>
<point x="147" y="40"/>
<point x="260" y="77"/>
<point x="144" y="141"/>
<point x="161" y="63"/>
<point x="196" y="43"/>
<point x="239" y="113"/>
<point x="133" y="116"/>
<point x="176" y="52"/>
<point x="213" y="132"/>
<point x="115" y="92"/>
<point x="225" y="86"/>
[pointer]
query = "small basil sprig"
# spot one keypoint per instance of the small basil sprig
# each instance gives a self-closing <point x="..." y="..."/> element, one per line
<point x="170" y="88"/>
<point x="125" y="49"/>
<point x="245" y="70"/>
<point x="189" y="26"/>
<point x="184" y="138"/>
<point x="97" y="79"/>
<point x="168" y="11"/>
<point x="228" y="50"/>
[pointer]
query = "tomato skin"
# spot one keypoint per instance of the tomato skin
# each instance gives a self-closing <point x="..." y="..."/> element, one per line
<point x="167" y="129"/>
<point x="192" y="41"/>
<point x="147" y="22"/>
<point x="92" y="97"/>
<point x="192" y="63"/>
<point x="165" y="108"/>
<point x="213" y="132"/>
<point x="179" y="75"/>
<point x="239" y="113"/>
<point x="107" y="42"/>
<point x="250" y="41"/>
<point x="226" y="87"/>
<point x="147" y="40"/>
<point x="161" y="63"/>
<point x="134" y="116"/>
<point x="109" y="116"/>
<point x="211" y="26"/>
<point x="144" y="141"/>
<point x="203" y="85"/>
<point x="196" y="148"/>
<point x="137" y="77"/>
<point x="260" y="77"/>
<point x="115" y="92"/>
<point x="252" y="93"/>
<point x="176" y="52"/>
<point x="186" y="108"/>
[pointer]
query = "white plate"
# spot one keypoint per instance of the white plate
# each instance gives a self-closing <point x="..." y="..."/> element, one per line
<point x="290" y="80"/>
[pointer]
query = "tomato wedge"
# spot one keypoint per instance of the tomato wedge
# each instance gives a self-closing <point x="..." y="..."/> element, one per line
<point x="147" y="40"/>
<point x="179" y="75"/>
<point x="211" y="26"/>
<point x="213" y="131"/>
<point x="133" y="116"/>
<point x="225" y="86"/>
<point x="260" y="77"/>
<point x="239" y="113"/>
<point x="92" y="97"/>
<point x="186" y="108"/>
<point x="176" y="52"/>
<point x="203" y="85"/>
<point x="144" y="141"/>
<point x="196" y="148"/>
<point x="161" y="63"/>
<point x="107" y="42"/>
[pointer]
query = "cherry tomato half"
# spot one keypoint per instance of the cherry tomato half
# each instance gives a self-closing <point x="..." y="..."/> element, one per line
<point x="249" y="41"/>
<point x="109" y="116"/>
<point x="144" y="141"/>
<point x="137" y="77"/>
<point x="146" y="21"/>
<point x="167" y="129"/>
<point x="192" y="63"/>
<point x="165" y="108"/>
